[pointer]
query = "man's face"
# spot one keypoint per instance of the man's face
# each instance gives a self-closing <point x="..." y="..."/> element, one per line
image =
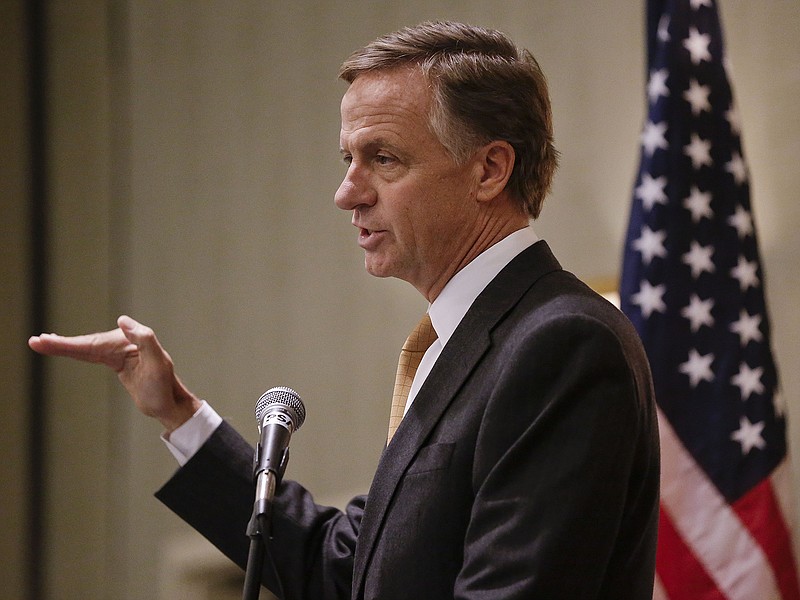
<point x="414" y="207"/>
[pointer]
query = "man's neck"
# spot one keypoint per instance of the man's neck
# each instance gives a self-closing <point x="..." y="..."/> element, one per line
<point x="488" y="237"/>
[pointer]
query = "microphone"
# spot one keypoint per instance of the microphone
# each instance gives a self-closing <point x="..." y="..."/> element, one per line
<point x="279" y="413"/>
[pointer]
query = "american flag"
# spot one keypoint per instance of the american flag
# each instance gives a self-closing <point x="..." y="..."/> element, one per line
<point x="693" y="286"/>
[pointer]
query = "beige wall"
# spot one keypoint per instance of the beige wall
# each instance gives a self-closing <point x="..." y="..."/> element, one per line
<point x="194" y="159"/>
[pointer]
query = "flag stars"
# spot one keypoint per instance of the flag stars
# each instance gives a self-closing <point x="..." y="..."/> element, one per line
<point x="737" y="168"/>
<point x="742" y="220"/>
<point x="697" y="96"/>
<point x="699" y="312"/>
<point x="698" y="367"/>
<point x="749" y="435"/>
<point x="699" y="259"/>
<point x="699" y="204"/>
<point x="748" y="381"/>
<point x="748" y="328"/>
<point x="650" y="298"/>
<point x="697" y="44"/>
<point x="650" y="244"/>
<point x="663" y="29"/>
<point x="746" y="272"/>
<point x="699" y="150"/>
<point x="695" y="260"/>
<point x="654" y="137"/>
<point x="657" y="85"/>
<point x="651" y="190"/>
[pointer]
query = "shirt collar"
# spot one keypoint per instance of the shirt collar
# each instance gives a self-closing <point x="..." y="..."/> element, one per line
<point x="460" y="292"/>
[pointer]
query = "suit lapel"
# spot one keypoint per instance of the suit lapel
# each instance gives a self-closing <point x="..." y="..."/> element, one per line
<point x="463" y="351"/>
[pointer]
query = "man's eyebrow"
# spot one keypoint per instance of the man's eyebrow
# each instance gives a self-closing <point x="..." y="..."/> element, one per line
<point x="371" y="145"/>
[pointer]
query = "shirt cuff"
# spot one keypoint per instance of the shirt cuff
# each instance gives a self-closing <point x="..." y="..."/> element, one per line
<point x="187" y="439"/>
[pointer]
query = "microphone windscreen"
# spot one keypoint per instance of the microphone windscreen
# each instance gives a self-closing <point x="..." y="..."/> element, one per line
<point x="284" y="397"/>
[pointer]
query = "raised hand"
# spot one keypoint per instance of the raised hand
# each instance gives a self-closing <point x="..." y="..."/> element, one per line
<point x="141" y="363"/>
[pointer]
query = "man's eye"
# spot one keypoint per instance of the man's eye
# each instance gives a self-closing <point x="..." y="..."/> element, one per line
<point x="383" y="159"/>
<point x="347" y="159"/>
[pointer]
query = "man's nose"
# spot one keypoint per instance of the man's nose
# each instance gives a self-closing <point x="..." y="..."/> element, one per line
<point x="354" y="190"/>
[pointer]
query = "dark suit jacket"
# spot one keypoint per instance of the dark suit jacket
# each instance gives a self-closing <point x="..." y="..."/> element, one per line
<point x="526" y="468"/>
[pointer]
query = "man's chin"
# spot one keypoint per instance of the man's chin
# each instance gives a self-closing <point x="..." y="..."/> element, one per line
<point x="378" y="268"/>
<point x="376" y="272"/>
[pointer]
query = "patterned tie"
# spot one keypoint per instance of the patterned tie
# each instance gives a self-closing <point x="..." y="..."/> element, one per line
<point x="417" y="343"/>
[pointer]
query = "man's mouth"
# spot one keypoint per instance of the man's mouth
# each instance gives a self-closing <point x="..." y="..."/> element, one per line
<point x="369" y="238"/>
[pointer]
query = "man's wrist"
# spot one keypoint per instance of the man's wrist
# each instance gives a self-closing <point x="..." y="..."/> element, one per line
<point x="183" y="411"/>
<point x="184" y="441"/>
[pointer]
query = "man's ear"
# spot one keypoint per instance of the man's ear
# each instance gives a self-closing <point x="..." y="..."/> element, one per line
<point x="495" y="162"/>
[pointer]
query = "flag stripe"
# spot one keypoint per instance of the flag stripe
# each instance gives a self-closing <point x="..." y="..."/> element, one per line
<point x="760" y="512"/>
<point x="682" y="576"/>
<point x="709" y="526"/>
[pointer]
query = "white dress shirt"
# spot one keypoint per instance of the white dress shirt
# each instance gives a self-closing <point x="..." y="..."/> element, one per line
<point x="460" y="292"/>
<point x="446" y="313"/>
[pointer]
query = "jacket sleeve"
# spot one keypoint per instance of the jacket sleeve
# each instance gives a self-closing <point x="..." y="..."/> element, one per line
<point x="312" y="546"/>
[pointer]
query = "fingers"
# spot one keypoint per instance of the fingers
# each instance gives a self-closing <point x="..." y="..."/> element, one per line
<point x="85" y="347"/>
<point x="107" y="347"/>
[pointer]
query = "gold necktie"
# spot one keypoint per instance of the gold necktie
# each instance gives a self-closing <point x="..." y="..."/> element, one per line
<point x="417" y="343"/>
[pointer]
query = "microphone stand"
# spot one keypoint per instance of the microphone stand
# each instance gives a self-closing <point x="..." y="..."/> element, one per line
<point x="258" y="526"/>
<point x="255" y="562"/>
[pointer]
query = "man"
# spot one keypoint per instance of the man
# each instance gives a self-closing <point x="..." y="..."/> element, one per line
<point x="526" y="465"/>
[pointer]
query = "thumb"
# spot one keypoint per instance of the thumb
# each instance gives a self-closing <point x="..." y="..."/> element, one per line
<point x="138" y="334"/>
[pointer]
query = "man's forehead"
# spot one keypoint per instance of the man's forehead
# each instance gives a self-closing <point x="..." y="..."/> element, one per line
<point x="402" y="89"/>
